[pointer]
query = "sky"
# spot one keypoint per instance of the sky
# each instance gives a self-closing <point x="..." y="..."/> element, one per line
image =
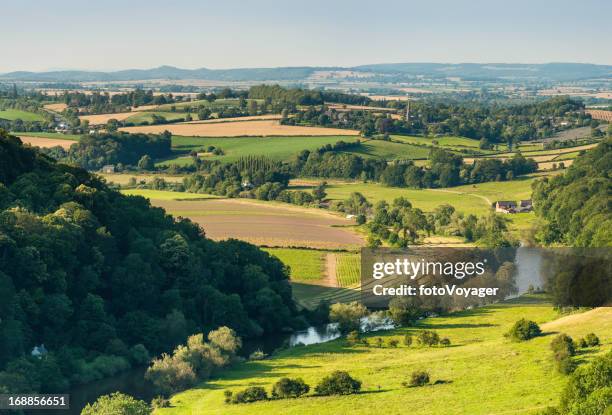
<point x="112" y="35"/>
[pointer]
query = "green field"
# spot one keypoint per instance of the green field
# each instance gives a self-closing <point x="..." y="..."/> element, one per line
<point x="277" y="148"/>
<point x="310" y="295"/>
<point x="389" y="150"/>
<point x="219" y="103"/>
<point x="12" y="114"/>
<point x="140" y="117"/>
<point x="61" y="136"/>
<point x="482" y="372"/>
<point x="165" y="195"/>
<point x="306" y="265"/>
<point x="348" y="269"/>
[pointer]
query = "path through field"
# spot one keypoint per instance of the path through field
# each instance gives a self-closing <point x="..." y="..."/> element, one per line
<point x="330" y="279"/>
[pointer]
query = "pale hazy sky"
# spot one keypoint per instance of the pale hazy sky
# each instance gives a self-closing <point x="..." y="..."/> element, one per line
<point x="111" y="34"/>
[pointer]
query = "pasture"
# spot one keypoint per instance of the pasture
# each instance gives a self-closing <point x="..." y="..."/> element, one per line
<point x="13" y="114"/>
<point x="147" y="116"/>
<point x="123" y="179"/>
<point x="276" y="148"/>
<point x="258" y="128"/>
<point x="263" y="223"/>
<point x="514" y="377"/>
<point x="59" y="136"/>
<point x="164" y="195"/>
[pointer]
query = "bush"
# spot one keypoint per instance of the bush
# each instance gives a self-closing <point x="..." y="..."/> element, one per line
<point x="160" y="402"/>
<point x="170" y="375"/>
<point x="289" y="388"/>
<point x="393" y="342"/>
<point x="428" y="338"/>
<point x="408" y="340"/>
<point x="591" y="340"/>
<point x="445" y="342"/>
<point x="379" y="342"/>
<point x="338" y="383"/>
<point x="353" y="337"/>
<point x="586" y="380"/>
<point x="117" y="403"/>
<point x="348" y="316"/>
<point x="582" y="343"/>
<point x="563" y="343"/>
<point x="565" y="364"/>
<point x="251" y="394"/>
<point x="524" y="330"/>
<point x="257" y="355"/>
<point x="228" y="396"/>
<point x="404" y="311"/>
<point x="418" y="378"/>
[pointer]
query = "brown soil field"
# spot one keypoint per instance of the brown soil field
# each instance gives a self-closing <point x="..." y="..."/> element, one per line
<point x="238" y="129"/>
<point x="46" y="142"/>
<point x="266" y="223"/>
<point x="548" y="165"/>
<point x="59" y="107"/>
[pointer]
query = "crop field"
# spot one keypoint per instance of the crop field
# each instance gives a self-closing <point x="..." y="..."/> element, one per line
<point x="164" y="195"/>
<point x="56" y="107"/>
<point x="306" y="265"/>
<point x="389" y="150"/>
<point x="218" y="103"/>
<point x="13" y="114"/>
<point x="263" y="223"/>
<point x="124" y="179"/>
<point x="99" y="119"/>
<point x="276" y="148"/>
<point x="147" y="116"/>
<point x="310" y="295"/>
<point x="480" y="363"/>
<point x="44" y="142"/>
<point x="348" y="269"/>
<point x="59" y="136"/>
<point x="239" y="129"/>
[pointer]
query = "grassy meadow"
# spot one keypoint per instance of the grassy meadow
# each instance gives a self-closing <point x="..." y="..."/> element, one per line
<point x="481" y="372"/>
<point x="60" y="136"/>
<point x="14" y="114"/>
<point x="306" y="265"/>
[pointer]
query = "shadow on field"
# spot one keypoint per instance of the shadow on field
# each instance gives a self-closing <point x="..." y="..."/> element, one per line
<point x="455" y="326"/>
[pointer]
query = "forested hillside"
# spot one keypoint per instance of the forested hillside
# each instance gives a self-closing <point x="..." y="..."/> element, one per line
<point x="103" y="280"/>
<point x="577" y="205"/>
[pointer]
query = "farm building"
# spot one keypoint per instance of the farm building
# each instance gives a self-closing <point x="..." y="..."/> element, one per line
<point x="525" y="206"/>
<point x="504" y="206"/>
<point x="109" y="168"/>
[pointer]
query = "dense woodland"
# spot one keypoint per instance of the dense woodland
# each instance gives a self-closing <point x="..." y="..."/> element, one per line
<point x="104" y="280"/>
<point x="577" y="205"/>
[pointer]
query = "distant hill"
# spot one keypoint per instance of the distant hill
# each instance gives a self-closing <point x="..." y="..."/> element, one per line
<point x="469" y="71"/>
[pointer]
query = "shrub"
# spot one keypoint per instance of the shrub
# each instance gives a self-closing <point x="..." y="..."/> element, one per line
<point x="289" y="388"/>
<point x="524" y="330"/>
<point x="393" y="342"/>
<point x="338" y="383"/>
<point x="160" y="402"/>
<point x="348" y="316"/>
<point x="408" y="340"/>
<point x="251" y="394"/>
<point x="257" y="355"/>
<point x="428" y="338"/>
<point x="228" y="396"/>
<point x="599" y="402"/>
<point x="585" y="381"/>
<point x="353" y="337"/>
<point x="565" y="364"/>
<point x="379" y="342"/>
<point x="418" y="378"/>
<point x="170" y="375"/>
<point x="404" y="311"/>
<point x="582" y="343"/>
<point x="445" y="342"/>
<point x="117" y="403"/>
<point x="563" y="343"/>
<point x="591" y="340"/>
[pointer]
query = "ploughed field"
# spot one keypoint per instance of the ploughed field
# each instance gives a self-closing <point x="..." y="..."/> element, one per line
<point x="269" y="224"/>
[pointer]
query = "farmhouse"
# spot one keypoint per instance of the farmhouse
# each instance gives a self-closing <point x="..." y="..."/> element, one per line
<point x="525" y="206"/>
<point x="109" y="168"/>
<point x="504" y="206"/>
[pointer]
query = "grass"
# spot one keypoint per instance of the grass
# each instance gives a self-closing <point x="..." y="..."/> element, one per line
<point x="348" y="269"/>
<point x="219" y="103"/>
<point x="310" y="295"/>
<point x="140" y="117"/>
<point x="13" y="114"/>
<point x="277" y="148"/>
<point x="61" y="136"/>
<point x="389" y="150"/>
<point x="165" y="195"/>
<point x="306" y="265"/>
<point x="483" y="372"/>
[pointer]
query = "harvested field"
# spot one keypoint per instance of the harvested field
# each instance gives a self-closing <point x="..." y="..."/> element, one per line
<point x="46" y="142"/>
<point x="269" y="224"/>
<point x="346" y="107"/>
<point x="58" y="107"/>
<point x="238" y="129"/>
<point x="97" y="119"/>
<point x="237" y="119"/>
